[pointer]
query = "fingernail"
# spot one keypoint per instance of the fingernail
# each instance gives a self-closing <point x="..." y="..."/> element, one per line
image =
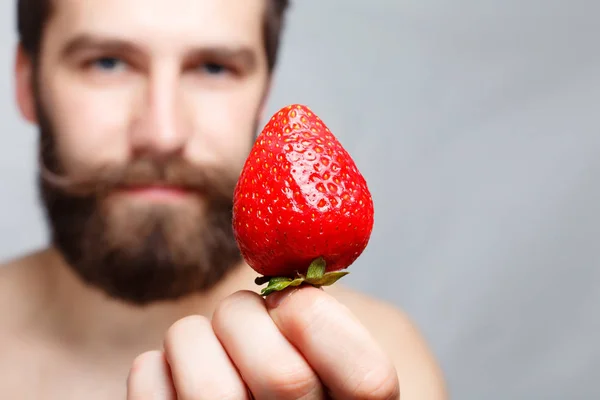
<point x="276" y="298"/>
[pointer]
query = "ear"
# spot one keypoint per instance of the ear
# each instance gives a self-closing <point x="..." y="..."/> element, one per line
<point x="24" y="85"/>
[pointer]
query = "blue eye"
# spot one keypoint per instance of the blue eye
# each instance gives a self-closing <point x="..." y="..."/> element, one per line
<point x="213" y="68"/>
<point x="108" y="63"/>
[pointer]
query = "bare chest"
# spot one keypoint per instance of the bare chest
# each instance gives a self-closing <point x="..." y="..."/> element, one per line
<point x="42" y="375"/>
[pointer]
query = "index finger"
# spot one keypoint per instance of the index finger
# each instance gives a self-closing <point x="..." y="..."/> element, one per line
<point x="338" y="347"/>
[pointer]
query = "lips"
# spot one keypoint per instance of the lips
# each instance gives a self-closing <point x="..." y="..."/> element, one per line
<point x="156" y="192"/>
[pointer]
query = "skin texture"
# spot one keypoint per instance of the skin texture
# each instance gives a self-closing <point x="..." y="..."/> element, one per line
<point x="61" y="338"/>
<point x="300" y="196"/>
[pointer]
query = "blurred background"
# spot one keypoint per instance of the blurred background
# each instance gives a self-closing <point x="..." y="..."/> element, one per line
<point x="476" y="125"/>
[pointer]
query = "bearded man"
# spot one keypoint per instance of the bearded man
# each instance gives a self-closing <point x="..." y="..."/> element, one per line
<point x="146" y="112"/>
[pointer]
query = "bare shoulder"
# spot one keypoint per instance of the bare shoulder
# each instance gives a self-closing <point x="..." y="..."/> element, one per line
<point x="19" y="281"/>
<point x="420" y="375"/>
<point x="10" y="274"/>
<point x="10" y="296"/>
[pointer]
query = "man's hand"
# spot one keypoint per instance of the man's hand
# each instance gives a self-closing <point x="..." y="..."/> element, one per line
<point x="299" y="344"/>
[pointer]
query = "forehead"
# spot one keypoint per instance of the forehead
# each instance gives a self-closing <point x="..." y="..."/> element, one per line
<point x="166" y="23"/>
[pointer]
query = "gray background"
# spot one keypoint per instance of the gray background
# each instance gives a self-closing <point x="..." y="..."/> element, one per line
<point x="475" y="124"/>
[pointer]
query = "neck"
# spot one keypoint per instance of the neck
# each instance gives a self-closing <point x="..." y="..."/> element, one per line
<point x="85" y="317"/>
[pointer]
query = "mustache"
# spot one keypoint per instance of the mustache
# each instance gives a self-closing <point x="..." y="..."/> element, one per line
<point x="216" y="183"/>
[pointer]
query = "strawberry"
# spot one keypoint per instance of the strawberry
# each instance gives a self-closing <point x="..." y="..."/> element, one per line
<point x="302" y="211"/>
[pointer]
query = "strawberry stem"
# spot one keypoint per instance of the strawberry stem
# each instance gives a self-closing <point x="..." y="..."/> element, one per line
<point x="315" y="276"/>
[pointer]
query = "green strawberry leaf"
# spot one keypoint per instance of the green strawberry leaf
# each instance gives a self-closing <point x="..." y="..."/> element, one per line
<point x="279" y="283"/>
<point x="315" y="276"/>
<point x="327" y="279"/>
<point x="316" y="269"/>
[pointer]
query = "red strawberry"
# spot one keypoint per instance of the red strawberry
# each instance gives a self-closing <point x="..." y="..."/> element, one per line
<point x="302" y="211"/>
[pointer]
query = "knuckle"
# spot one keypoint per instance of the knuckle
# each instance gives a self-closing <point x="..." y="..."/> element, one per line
<point x="378" y="385"/>
<point x="221" y="317"/>
<point x="292" y="381"/>
<point x="225" y="311"/>
<point x="143" y="361"/>
<point x="147" y="358"/>
<point x="190" y="392"/>
<point x="185" y="327"/>
<point x="307" y="317"/>
<point x="226" y="306"/>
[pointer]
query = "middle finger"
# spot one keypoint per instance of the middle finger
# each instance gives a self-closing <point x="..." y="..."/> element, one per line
<point x="200" y="366"/>
<point x="268" y="363"/>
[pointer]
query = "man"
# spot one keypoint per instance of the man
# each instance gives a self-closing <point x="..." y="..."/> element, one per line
<point x="147" y="110"/>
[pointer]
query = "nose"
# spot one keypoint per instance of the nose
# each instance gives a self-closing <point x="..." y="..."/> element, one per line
<point x="160" y="127"/>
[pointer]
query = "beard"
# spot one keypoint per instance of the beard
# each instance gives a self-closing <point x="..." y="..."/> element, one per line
<point x="139" y="253"/>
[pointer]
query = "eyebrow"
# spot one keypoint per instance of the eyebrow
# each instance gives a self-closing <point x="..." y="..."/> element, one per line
<point x="86" y="42"/>
<point x="238" y="54"/>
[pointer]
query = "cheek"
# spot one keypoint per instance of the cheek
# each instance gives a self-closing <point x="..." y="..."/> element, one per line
<point x="90" y="124"/>
<point x="225" y="125"/>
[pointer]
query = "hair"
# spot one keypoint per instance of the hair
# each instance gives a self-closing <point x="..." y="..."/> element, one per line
<point x="32" y="16"/>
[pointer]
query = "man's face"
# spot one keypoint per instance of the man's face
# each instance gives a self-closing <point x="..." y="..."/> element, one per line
<point x="147" y="110"/>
